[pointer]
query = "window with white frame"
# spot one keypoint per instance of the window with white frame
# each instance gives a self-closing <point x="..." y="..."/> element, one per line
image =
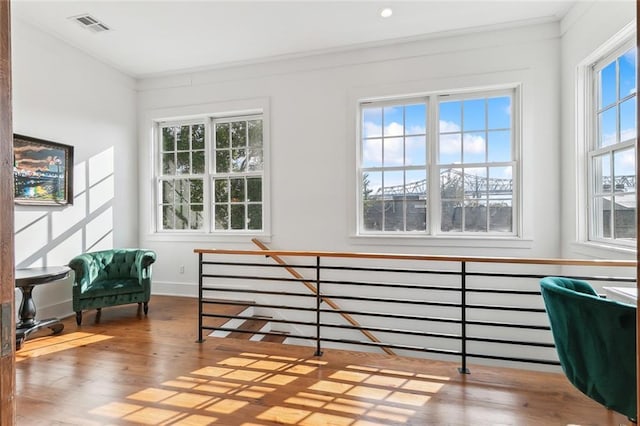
<point x="440" y="164"/>
<point x="611" y="155"/>
<point x="211" y="175"/>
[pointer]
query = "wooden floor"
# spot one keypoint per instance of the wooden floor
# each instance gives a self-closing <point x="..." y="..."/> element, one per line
<point x="129" y="369"/>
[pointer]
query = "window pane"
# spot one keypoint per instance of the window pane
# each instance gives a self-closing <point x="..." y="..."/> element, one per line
<point x="237" y="216"/>
<point x="223" y="161"/>
<point x="237" y="190"/>
<point x="198" y="162"/>
<point x="393" y="151"/>
<point x="168" y="164"/>
<point x="372" y="153"/>
<point x="475" y="216"/>
<point x="393" y="184"/>
<point x="450" y="117"/>
<point x="167" y="192"/>
<point x="372" y="215"/>
<point x="168" y="217"/>
<point x="238" y="134"/>
<point x="415" y="119"/>
<point x="254" y="213"/>
<point x="222" y="135"/>
<point x="168" y="139"/>
<point x="183" y="166"/>
<point x="500" y="182"/>
<point x="607" y="85"/>
<point x="602" y="174"/>
<point x="624" y="166"/>
<point x="500" y="215"/>
<point x="415" y="151"/>
<point x="607" y="127"/>
<point x="182" y="216"/>
<point x="394" y="214"/>
<point x="625" y="216"/>
<point x="473" y="115"/>
<point x="183" y="138"/>
<point x="627" y="69"/>
<point x="602" y="218"/>
<point x="197" y="136"/>
<point x="499" y="146"/>
<point x="254" y="189"/>
<point x="371" y="122"/>
<point x="393" y="121"/>
<point x="450" y="149"/>
<point x="195" y="221"/>
<point x="255" y="133"/>
<point x="475" y="185"/>
<point x="473" y="148"/>
<point x="416" y="200"/>
<point x="238" y="160"/>
<point x="222" y="217"/>
<point x="372" y="184"/>
<point x="628" y="120"/>
<point x="499" y="112"/>
<point x="451" y="184"/>
<point x="181" y="193"/>
<point x="451" y="216"/>
<point x="221" y="190"/>
<point x="196" y="191"/>
<point x="255" y="161"/>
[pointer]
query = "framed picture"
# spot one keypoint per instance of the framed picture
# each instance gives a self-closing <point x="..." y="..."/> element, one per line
<point x="42" y="171"/>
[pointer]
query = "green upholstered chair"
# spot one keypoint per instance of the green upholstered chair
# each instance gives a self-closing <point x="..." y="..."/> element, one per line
<point x="110" y="278"/>
<point x="596" y="342"/>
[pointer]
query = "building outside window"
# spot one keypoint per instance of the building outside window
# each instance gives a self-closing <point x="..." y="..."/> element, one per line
<point x="611" y="157"/>
<point x="441" y="164"/>
<point x="211" y="175"/>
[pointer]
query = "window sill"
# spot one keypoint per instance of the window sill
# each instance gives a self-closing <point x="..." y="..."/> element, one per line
<point x="231" y="238"/>
<point x="603" y="251"/>
<point x="444" y="241"/>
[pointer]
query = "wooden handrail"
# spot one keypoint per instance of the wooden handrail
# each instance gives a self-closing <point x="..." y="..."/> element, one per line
<point x="314" y="290"/>
<point x="436" y="258"/>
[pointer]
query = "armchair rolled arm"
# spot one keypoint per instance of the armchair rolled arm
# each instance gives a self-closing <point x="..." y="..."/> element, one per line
<point x="144" y="259"/>
<point x="81" y="266"/>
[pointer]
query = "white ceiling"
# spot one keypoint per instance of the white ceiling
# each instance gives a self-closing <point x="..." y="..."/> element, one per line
<point x="154" y="37"/>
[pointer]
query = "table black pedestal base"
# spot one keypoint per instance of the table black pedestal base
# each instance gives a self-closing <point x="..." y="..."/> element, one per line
<point x="24" y="330"/>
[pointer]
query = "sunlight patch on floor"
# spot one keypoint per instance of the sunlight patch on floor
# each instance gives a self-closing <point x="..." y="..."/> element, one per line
<point x="246" y="386"/>
<point x="51" y="344"/>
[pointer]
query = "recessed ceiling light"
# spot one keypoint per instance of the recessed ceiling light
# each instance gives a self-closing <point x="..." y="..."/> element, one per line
<point x="386" y="12"/>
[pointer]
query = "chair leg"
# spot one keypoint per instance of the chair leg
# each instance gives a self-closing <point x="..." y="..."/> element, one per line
<point x="78" y="317"/>
<point x="146" y="308"/>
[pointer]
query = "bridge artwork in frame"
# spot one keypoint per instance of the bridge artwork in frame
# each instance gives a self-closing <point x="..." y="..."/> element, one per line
<point x="42" y="171"/>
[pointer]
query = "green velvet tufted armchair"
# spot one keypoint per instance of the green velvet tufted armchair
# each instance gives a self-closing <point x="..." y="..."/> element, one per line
<point x="596" y="342"/>
<point x="111" y="277"/>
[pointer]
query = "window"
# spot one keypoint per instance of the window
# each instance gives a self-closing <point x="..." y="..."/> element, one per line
<point x="611" y="156"/>
<point x="211" y="175"/>
<point x="438" y="164"/>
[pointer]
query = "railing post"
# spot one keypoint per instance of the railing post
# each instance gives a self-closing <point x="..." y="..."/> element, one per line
<point x="200" y="340"/>
<point x="318" y="302"/>
<point x="463" y="317"/>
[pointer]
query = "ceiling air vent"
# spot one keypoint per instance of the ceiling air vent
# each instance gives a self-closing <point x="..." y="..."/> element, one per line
<point x="90" y="23"/>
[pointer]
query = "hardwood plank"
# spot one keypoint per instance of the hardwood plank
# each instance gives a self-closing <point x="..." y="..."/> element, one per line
<point x="130" y="369"/>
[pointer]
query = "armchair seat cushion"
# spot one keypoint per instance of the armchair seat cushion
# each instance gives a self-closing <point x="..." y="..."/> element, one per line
<point x="115" y="286"/>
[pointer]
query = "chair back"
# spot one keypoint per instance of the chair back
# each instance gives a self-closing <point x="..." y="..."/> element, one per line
<point x="596" y="342"/>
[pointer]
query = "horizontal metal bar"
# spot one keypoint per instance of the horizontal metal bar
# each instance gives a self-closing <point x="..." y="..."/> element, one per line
<point x="511" y="342"/>
<point x="385" y="300"/>
<point x="394" y="331"/>
<point x="366" y="269"/>
<point x="246" y="317"/>
<point x="247" y="290"/>
<point x="393" y="316"/>
<point x="507" y="324"/>
<point x="255" y="278"/>
<point x="505" y="308"/>
<point x="392" y="346"/>
<point x="384" y="285"/>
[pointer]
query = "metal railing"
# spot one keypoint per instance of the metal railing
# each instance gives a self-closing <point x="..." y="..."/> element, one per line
<point x="453" y="307"/>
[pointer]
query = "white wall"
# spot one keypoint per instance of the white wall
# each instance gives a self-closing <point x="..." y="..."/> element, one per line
<point x="312" y="118"/>
<point x="63" y="95"/>
<point x="585" y="29"/>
